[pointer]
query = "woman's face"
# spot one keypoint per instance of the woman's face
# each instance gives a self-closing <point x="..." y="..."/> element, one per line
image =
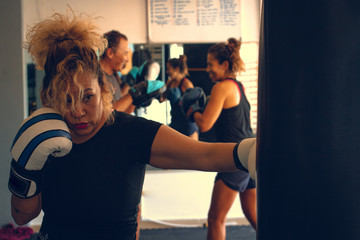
<point x="215" y="70"/>
<point x="172" y="72"/>
<point x="88" y="117"/>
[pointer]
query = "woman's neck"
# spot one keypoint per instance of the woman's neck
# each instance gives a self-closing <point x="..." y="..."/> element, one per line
<point x="228" y="76"/>
<point x="178" y="79"/>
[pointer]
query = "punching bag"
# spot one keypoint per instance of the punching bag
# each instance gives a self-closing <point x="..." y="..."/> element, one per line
<point x="308" y="138"/>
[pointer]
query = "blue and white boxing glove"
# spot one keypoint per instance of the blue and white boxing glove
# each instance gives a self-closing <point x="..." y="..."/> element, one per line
<point x="145" y="91"/>
<point x="245" y="156"/>
<point x="193" y="101"/>
<point x="42" y="134"/>
<point x="173" y="95"/>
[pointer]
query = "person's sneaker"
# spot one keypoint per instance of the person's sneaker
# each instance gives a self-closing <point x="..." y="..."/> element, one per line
<point x="22" y="233"/>
<point x="9" y="232"/>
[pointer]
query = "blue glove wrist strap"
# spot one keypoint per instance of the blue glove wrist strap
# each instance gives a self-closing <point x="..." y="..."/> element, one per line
<point x="23" y="183"/>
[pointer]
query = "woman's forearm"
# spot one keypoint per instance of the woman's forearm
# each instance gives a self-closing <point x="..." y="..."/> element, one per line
<point x="202" y="123"/>
<point x="25" y="210"/>
<point x="173" y="150"/>
<point x="123" y="103"/>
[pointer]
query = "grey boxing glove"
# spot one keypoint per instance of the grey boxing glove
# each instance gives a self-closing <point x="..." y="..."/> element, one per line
<point x="193" y="101"/>
<point x="245" y="156"/>
<point x="42" y="134"/>
<point x="173" y="95"/>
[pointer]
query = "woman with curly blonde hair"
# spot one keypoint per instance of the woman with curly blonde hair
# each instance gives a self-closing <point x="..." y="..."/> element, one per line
<point x="70" y="45"/>
<point x="94" y="189"/>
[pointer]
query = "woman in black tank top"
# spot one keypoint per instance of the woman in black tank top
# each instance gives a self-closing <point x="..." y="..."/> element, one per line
<point x="228" y="111"/>
<point x="176" y="85"/>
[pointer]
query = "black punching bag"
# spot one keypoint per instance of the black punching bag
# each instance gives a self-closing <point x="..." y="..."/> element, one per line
<point x="308" y="165"/>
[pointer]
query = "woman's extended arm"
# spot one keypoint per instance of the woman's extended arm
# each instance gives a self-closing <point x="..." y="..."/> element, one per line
<point x="172" y="150"/>
<point x="124" y="103"/>
<point x="25" y="210"/>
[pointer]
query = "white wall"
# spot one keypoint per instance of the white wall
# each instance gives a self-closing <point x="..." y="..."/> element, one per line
<point x="250" y="20"/>
<point x="128" y="17"/>
<point x="180" y="195"/>
<point x="12" y="93"/>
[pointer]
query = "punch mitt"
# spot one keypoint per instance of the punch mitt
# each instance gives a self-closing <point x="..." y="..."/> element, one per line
<point x="245" y="156"/>
<point x="131" y="77"/>
<point x="42" y="134"/>
<point x="193" y="101"/>
<point x="144" y="91"/>
<point x="148" y="71"/>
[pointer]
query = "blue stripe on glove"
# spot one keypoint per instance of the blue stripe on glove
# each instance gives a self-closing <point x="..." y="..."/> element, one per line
<point x="34" y="143"/>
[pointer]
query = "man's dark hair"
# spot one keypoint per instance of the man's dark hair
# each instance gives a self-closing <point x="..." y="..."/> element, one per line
<point x="113" y="37"/>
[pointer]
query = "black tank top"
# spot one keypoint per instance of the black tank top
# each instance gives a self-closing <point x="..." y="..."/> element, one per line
<point x="233" y="124"/>
<point x="176" y="111"/>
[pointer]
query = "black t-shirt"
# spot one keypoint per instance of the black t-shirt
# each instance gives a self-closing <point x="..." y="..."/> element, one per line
<point x="96" y="188"/>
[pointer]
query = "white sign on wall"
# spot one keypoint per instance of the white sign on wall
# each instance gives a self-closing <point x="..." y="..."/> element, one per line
<point x="128" y="17"/>
<point x="193" y="21"/>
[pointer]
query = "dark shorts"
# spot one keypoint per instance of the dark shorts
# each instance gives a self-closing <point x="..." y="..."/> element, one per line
<point x="237" y="181"/>
<point x="187" y="128"/>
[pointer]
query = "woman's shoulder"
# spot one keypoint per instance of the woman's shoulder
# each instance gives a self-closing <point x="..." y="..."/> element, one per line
<point x="225" y="89"/>
<point x="126" y="120"/>
<point x="186" y="83"/>
<point x="227" y="84"/>
<point x="121" y="116"/>
<point x="187" y="80"/>
<point x="223" y="85"/>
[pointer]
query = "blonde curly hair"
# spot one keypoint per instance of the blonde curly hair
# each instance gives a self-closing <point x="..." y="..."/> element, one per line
<point x="66" y="47"/>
